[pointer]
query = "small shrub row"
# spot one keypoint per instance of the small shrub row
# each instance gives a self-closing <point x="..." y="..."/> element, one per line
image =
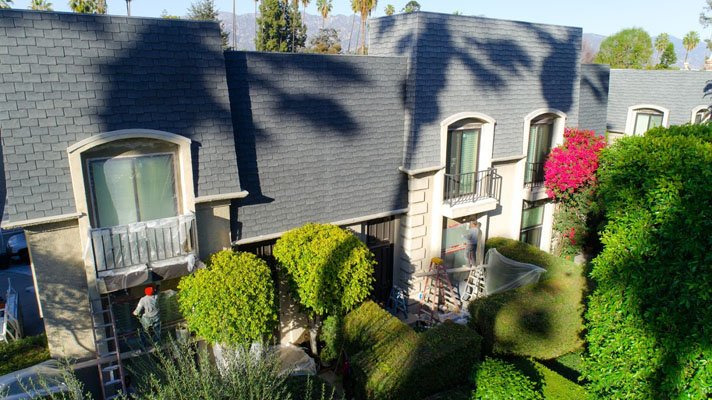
<point x="23" y="353"/>
<point x="542" y="320"/>
<point x="391" y="361"/>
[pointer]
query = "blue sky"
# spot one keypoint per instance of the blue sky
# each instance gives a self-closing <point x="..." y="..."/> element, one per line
<point x="599" y="16"/>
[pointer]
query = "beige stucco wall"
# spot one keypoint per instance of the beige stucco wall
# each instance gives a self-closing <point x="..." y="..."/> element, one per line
<point x="61" y="283"/>
<point x="505" y="220"/>
<point x="213" y="220"/>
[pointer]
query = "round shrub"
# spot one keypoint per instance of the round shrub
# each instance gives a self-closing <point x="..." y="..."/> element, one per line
<point x="231" y="301"/>
<point x="330" y="269"/>
<point x="499" y="380"/>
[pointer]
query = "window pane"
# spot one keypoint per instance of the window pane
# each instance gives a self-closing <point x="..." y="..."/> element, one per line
<point x="641" y="123"/>
<point x="114" y="195"/>
<point x="155" y="187"/>
<point x="655" y="121"/>
<point x="532" y="217"/>
<point x="533" y="237"/>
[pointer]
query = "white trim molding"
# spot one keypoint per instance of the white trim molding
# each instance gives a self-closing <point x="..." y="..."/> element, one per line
<point x="41" y="221"/>
<point x="698" y="109"/>
<point x="221" y="197"/>
<point x="559" y="125"/>
<point x="630" y="118"/>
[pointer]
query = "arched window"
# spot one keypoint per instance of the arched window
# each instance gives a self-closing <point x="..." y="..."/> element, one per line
<point x="700" y="114"/>
<point x="644" y="117"/>
<point x="545" y="130"/>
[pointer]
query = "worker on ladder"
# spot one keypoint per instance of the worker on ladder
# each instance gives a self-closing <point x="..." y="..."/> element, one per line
<point x="472" y="237"/>
<point x="148" y="313"/>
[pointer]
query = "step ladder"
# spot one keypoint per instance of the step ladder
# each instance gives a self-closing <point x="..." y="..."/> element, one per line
<point x="108" y="354"/>
<point x="475" y="287"/>
<point x="439" y="296"/>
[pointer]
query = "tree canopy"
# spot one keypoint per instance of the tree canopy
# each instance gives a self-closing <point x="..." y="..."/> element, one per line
<point x="668" y="57"/>
<point x="231" y="301"/>
<point x="411" y="6"/>
<point x="326" y="42"/>
<point x="689" y="42"/>
<point x="629" y="48"/>
<point x="279" y="27"/>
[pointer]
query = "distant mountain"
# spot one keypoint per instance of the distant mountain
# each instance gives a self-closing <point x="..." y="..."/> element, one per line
<point x="696" y="57"/>
<point x="346" y="25"/>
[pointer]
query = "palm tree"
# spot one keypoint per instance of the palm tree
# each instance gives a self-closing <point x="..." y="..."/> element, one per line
<point x="305" y="3"/>
<point x="40" y="5"/>
<point x="364" y="8"/>
<point x="5" y="3"/>
<point x="661" y="42"/>
<point x="389" y="10"/>
<point x="689" y="42"/>
<point x="324" y="7"/>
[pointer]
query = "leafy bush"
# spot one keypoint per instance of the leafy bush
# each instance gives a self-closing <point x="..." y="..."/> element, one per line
<point x="526" y="375"/>
<point x="570" y="179"/>
<point x="700" y="131"/>
<point x="394" y="362"/>
<point x="23" y="353"/>
<point x="330" y="269"/>
<point x="649" y="319"/>
<point x="499" y="380"/>
<point x="542" y="320"/>
<point x="232" y="301"/>
<point x="332" y="335"/>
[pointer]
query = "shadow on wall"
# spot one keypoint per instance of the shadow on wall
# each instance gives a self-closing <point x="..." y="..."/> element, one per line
<point x="493" y="64"/>
<point x="169" y="79"/>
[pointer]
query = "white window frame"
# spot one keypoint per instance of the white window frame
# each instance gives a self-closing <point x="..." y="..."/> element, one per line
<point x="559" y="126"/>
<point x="696" y="110"/>
<point x="633" y="112"/>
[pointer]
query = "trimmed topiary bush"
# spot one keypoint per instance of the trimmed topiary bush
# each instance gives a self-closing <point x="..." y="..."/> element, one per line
<point x="649" y="319"/>
<point x="542" y="320"/>
<point x="390" y="361"/>
<point x="499" y="380"/>
<point x="231" y="301"/>
<point x="330" y="270"/>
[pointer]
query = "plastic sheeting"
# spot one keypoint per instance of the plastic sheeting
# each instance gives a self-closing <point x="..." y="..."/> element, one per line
<point x="502" y="273"/>
<point x="293" y="360"/>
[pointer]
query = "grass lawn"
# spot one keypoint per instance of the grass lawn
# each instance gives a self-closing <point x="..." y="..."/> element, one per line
<point x="543" y="320"/>
<point x="23" y="353"/>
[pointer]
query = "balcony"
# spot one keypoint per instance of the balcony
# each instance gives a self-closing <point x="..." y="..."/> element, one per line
<point x="471" y="187"/>
<point x="534" y="175"/>
<point x="123" y="255"/>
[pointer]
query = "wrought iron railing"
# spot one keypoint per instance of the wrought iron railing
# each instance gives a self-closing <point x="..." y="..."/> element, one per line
<point x="473" y="186"/>
<point x="143" y="243"/>
<point x="534" y="175"/>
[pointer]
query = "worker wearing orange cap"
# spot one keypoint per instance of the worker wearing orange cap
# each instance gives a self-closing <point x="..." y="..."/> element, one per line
<point x="148" y="313"/>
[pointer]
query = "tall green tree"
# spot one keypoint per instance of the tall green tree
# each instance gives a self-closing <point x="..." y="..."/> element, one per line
<point x="87" y="6"/>
<point x="280" y="27"/>
<point x="661" y="42"/>
<point x="206" y="10"/>
<point x="363" y="7"/>
<point x="324" y="7"/>
<point x="668" y="57"/>
<point x="689" y="42"/>
<point x="40" y="5"/>
<point x="706" y="14"/>
<point x="389" y="10"/>
<point x="326" y="42"/>
<point x="629" y="48"/>
<point x="411" y="6"/>
<point x="5" y="4"/>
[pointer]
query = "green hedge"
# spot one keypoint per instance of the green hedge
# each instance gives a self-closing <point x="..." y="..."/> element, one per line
<point x="542" y="320"/>
<point x="649" y="321"/>
<point x="23" y="353"/>
<point x="499" y="380"/>
<point x="391" y="361"/>
<point x="520" y="378"/>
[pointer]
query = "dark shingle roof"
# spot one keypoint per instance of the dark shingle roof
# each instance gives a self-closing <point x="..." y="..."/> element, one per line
<point x="65" y="77"/>
<point x="319" y="138"/>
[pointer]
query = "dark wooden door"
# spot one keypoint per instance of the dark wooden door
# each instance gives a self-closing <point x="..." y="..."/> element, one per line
<point x="380" y="238"/>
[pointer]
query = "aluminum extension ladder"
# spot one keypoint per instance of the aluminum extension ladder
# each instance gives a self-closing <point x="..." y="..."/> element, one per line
<point x="111" y="371"/>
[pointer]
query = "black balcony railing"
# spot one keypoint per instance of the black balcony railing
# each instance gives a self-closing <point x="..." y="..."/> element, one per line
<point x="143" y="243"/>
<point x="534" y="175"/>
<point x="472" y="186"/>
